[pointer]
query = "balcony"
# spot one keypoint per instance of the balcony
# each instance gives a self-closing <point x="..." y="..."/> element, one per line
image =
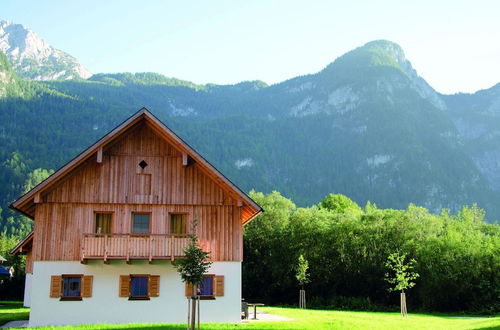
<point x="132" y="246"/>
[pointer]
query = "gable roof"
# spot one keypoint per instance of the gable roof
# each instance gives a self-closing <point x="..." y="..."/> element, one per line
<point x="26" y="204"/>
<point x="23" y="246"/>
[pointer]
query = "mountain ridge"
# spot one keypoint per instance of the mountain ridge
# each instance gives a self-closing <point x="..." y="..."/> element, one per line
<point x="375" y="133"/>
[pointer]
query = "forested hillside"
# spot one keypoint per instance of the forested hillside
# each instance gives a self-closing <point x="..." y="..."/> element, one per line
<point x="366" y="126"/>
<point x="457" y="256"/>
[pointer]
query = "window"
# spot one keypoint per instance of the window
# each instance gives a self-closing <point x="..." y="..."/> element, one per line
<point x="140" y="223"/>
<point x="178" y="223"/>
<point x="103" y="223"/>
<point x="71" y="287"/>
<point x="212" y="286"/>
<point x="207" y="286"/>
<point x="139" y="286"/>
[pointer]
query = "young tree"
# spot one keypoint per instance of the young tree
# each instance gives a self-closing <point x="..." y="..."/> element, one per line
<point x="401" y="275"/>
<point x="191" y="268"/>
<point x="303" y="278"/>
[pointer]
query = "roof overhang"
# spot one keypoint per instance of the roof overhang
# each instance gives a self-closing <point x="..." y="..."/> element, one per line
<point x="24" y="246"/>
<point x="25" y="204"/>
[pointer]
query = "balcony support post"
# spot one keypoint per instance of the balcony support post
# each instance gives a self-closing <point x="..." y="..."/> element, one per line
<point x="106" y="261"/>
<point x="127" y="260"/>
<point x="150" y="249"/>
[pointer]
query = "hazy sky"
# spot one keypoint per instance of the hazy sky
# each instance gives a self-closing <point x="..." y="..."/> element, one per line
<point x="453" y="44"/>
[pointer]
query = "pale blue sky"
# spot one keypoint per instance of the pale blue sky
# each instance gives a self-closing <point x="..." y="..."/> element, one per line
<point x="453" y="44"/>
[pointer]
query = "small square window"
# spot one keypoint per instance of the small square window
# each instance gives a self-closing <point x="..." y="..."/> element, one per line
<point x="143" y="164"/>
<point x="178" y="223"/>
<point x="103" y="223"/>
<point x="71" y="287"/>
<point x="140" y="223"/>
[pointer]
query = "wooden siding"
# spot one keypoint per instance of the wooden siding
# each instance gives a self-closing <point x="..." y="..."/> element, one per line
<point x="119" y="178"/>
<point x="117" y="184"/>
<point x="29" y="262"/>
<point x="59" y="227"/>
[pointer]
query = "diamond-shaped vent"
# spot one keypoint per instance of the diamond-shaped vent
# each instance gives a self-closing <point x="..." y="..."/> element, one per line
<point x="143" y="164"/>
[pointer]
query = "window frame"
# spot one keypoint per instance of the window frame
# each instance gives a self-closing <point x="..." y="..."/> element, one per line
<point x="95" y="221"/>
<point x="147" y="296"/>
<point x="170" y="214"/>
<point x="132" y="222"/>
<point x="70" y="298"/>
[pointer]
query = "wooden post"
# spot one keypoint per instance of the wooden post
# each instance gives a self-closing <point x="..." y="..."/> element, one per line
<point x="302" y="299"/>
<point x="150" y="248"/>
<point x="198" y="312"/>
<point x="106" y="249"/>
<point x="189" y="311"/>
<point x="172" y="248"/>
<point x="127" y="260"/>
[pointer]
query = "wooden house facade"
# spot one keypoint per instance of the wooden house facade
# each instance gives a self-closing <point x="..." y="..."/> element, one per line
<point x="109" y="224"/>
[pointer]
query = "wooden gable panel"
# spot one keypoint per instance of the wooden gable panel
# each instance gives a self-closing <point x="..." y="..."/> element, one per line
<point x="141" y="140"/>
<point x="120" y="178"/>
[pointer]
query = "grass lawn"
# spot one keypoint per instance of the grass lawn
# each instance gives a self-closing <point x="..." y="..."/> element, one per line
<point x="304" y="319"/>
<point x="12" y="311"/>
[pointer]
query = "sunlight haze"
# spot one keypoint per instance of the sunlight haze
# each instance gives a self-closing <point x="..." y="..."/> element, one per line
<point x="451" y="44"/>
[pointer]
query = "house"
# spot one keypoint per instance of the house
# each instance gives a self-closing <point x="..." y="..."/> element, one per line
<point x="109" y="224"/>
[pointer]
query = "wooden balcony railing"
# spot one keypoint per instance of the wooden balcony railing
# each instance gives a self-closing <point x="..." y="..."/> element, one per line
<point x="132" y="246"/>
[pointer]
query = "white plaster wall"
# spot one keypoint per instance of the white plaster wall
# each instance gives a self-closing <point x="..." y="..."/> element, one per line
<point x="27" y="290"/>
<point x="106" y="307"/>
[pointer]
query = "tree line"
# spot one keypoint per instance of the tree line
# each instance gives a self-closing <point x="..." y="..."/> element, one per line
<point x="347" y="246"/>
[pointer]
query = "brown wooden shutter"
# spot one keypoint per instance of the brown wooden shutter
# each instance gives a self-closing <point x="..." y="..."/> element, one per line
<point x="154" y="285"/>
<point x="124" y="290"/>
<point x="189" y="289"/>
<point x="219" y="286"/>
<point x="55" y="286"/>
<point x="87" y="281"/>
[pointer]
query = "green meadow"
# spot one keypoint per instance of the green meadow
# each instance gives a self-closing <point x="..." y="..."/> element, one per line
<point x="302" y="319"/>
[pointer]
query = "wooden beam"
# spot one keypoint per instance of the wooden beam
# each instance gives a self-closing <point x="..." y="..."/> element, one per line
<point x="239" y="203"/>
<point x="99" y="155"/>
<point x="37" y="199"/>
<point x="185" y="158"/>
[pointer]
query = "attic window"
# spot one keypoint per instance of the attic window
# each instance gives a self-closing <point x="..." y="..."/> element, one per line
<point x="143" y="164"/>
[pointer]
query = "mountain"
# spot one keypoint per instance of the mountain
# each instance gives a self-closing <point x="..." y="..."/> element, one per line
<point x="477" y="118"/>
<point x="34" y="59"/>
<point x="366" y="126"/>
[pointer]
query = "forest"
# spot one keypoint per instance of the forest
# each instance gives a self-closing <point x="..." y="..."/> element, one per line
<point x="457" y="255"/>
<point x="346" y="247"/>
<point x="297" y="137"/>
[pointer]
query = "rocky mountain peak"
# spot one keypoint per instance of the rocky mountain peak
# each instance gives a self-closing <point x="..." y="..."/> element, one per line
<point x="35" y="59"/>
<point x="369" y="63"/>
